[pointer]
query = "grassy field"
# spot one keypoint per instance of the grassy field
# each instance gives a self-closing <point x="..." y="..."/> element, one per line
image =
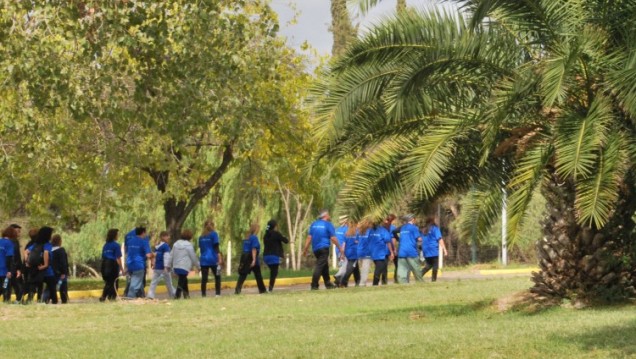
<point x="442" y="320"/>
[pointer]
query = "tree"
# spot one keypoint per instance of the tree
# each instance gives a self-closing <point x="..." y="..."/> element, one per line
<point x="341" y="27"/>
<point x="526" y="94"/>
<point x="366" y="5"/>
<point x="176" y="90"/>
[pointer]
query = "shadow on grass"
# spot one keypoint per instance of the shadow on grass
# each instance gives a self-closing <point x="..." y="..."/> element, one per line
<point x="425" y="312"/>
<point x="618" y="339"/>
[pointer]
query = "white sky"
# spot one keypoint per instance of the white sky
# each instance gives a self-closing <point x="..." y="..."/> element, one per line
<point x="315" y="17"/>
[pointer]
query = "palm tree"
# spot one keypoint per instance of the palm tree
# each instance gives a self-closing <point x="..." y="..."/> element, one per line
<point x="524" y="94"/>
<point x="366" y="5"/>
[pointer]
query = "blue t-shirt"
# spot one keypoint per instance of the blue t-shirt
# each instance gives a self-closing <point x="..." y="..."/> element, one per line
<point x="351" y="247"/>
<point x="111" y="250"/>
<point x="430" y="242"/>
<point x="321" y="232"/>
<point x="208" y="256"/>
<point x="409" y="233"/>
<point x="48" y="247"/>
<point x="379" y="239"/>
<point x="252" y="243"/>
<point x="137" y="248"/>
<point x="340" y="235"/>
<point x="160" y="250"/>
<point x="364" y="247"/>
<point x="6" y="250"/>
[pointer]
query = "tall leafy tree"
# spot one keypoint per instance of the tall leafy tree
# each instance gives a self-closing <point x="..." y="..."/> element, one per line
<point x="175" y="91"/>
<point x="523" y="94"/>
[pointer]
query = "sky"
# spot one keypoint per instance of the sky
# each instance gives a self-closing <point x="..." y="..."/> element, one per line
<point x="314" y="18"/>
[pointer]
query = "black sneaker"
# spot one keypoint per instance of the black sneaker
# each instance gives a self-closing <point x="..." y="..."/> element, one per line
<point x="330" y="286"/>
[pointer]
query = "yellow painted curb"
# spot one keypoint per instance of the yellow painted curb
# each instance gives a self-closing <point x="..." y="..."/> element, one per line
<point x="508" y="271"/>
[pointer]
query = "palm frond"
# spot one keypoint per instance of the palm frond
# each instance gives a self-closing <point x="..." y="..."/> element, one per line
<point x="579" y="139"/>
<point x="481" y="208"/>
<point x="597" y="194"/>
<point x="528" y="175"/>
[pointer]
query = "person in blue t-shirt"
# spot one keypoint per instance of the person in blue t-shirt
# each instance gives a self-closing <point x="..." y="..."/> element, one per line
<point x="250" y="262"/>
<point x="160" y="264"/>
<point x="6" y="261"/>
<point x="37" y="272"/>
<point x="137" y="252"/>
<point x="111" y="265"/>
<point x="351" y="253"/>
<point x="342" y="264"/>
<point x="388" y="225"/>
<point x="321" y="235"/>
<point x="364" y="251"/>
<point x="210" y="258"/>
<point x="431" y="244"/>
<point x="380" y="241"/>
<point x="409" y="236"/>
<point x="132" y="235"/>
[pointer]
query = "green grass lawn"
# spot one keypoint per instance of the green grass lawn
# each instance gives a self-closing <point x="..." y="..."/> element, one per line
<point x="441" y="320"/>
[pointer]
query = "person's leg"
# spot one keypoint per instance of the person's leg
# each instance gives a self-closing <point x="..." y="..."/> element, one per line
<point x="402" y="271"/>
<point x="186" y="289"/>
<point x="204" y="280"/>
<point x="356" y="273"/>
<point x="317" y="268"/>
<point x="239" y="283"/>
<point x="106" y="291"/>
<point x="351" y="265"/>
<point x="168" y="279"/>
<point x="40" y="286"/>
<point x="51" y="290"/>
<point x="259" y="279"/>
<point x="156" y="277"/>
<point x="136" y="283"/>
<point x="64" y="291"/>
<point x="414" y="266"/>
<point x="384" y="275"/>
<point x="435" y="265"/>
<point x="5" y="292"/>
<point x="395" y="269"/>
<point x="217" y="281"/>
<point x="379" y="268"/>
<point x="322" y="264"/>
<point x="273" y="273"/>
<point x="428" y="265"/>
<point x="341" y="271"/>
<point x="365" y="265"/>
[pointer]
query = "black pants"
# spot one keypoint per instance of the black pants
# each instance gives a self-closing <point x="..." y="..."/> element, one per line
<point x="17" y="285"/>
<point x="380" y="267"/>
<point x="6" y="292"/>
<point x="182" y="287"/>
<point x="257" y="275"/>
<point x="273" y="273"/>
<point x="204" y="280"/>
<point x="431" y="263"/>
<point x="51" y="292"/>
<point x="384" y="277"/>
<point x="110" y="287"/>
<point x="33" y="283"/>
<point x="63" y="290"/>
<point x="321" y="269"/>
<point x="395" y="263"/>
<point x="352" y="268"/>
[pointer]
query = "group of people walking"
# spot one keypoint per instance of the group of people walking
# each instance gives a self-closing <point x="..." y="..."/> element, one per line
<point x="43" y="261"/>
<point x="358" y="245"/>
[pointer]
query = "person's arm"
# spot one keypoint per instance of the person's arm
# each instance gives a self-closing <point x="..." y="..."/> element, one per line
<point x="64" y="260"/>
<point x="121" y="267"/>
<point x="335" y="242"/>
<point x="443" y="246"/>
<point x="282" y="238"/>
<point x="10" y="265"/>
<point x="194" y="258"/>
<point x="307" y="243"/>
<point x="46" y="261"/>
<point x="219" y="255"/>
<point x="254" y="254"/>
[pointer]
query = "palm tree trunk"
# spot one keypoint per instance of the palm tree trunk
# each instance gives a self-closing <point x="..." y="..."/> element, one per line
<point x="341" y="27"/>
<point x="581" y="263"/>
<point x="401" y="5"/>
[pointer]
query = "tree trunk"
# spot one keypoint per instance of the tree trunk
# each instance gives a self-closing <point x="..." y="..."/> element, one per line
<point x="177" y="211"/>
<point x="581" y="263"/>
<point x="341" y="27"/>
<point x="401" y="5"/>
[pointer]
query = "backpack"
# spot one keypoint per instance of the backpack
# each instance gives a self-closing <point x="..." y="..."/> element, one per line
<point x="36" y="256"/>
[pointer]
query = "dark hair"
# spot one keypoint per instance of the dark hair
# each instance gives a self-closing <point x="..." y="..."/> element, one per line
<point x="140" y="230"/>
<point x="15" y="225"/>
<point x="186" y="234"/>
<point x="164" y="233"/>
<point x="430" y="220"/>
<point x="33" y="234"/>
<point x="10" y="233"/>
<point x="111" y="235"/>
<point x="56" y="240"/>
<point x="44" y="235"/>
<point x="271" y="225"/>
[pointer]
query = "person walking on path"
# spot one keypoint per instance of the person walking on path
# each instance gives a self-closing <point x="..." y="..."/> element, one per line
<point x="16" y="283"/>
<point x="210" y="257"/>
<point x="351" y="253"/>
<point x="431" y="243"/>
<point x="321" y="233"/>
<point x="160" y="264"/>
<point x="184" y="259"/>
<point x="409" y="236"/>
<point x="111" y="265"/>
<point x="380" y="242"/>
<point x="364" y="250"/>
<point x="273" y="241"/>
<point x="38" y="263"/>
<point x="249" y="261"/>
<point x="137" y="251"/>
<point x="60" y="267"/>
<point x="342" y="263"/>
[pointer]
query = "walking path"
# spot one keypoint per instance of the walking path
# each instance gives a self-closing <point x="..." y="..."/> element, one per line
<point x="302" y="283"/>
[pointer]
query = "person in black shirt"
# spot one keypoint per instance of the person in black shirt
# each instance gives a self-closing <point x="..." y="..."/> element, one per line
<point x="60" y="267"/>
<point x="273" y="241"/>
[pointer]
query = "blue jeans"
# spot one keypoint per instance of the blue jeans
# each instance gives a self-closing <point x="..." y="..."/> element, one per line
<point x="136" y="284"/>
